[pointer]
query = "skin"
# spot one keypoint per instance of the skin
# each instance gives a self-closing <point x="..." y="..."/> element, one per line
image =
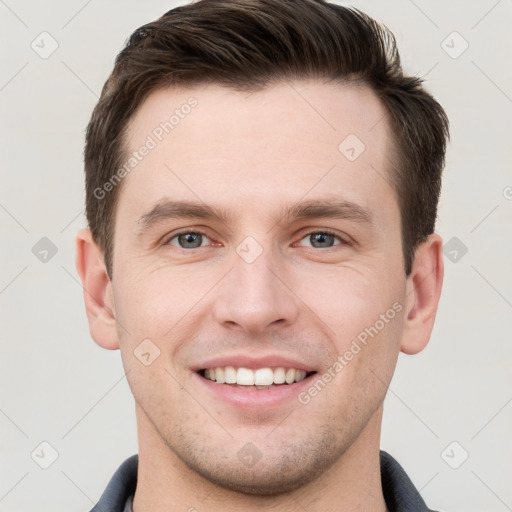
<point x="253" y="155"/>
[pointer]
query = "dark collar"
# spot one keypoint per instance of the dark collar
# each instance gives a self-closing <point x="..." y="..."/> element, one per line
<point x="399" y="492"/>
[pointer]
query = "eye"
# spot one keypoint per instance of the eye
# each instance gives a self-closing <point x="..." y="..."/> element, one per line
<point x="188" y="240"/>
<point x="322" y="240"/>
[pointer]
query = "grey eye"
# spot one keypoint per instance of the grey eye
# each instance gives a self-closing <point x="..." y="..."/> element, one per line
<point x="321" y="240"/>
<point x="189" y="240"/>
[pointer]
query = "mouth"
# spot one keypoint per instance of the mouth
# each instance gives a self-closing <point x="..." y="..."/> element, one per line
<point x="256" y="379"/>
<point x="254" y="383"/>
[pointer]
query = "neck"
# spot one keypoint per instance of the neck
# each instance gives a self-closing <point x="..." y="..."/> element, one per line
<point x="165" y="483"/>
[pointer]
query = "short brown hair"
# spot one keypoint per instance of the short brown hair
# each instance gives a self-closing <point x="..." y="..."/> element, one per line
<point x="247" y="45"/>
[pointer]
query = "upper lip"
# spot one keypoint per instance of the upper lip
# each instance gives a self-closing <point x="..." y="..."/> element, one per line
<point x="254" y="362"/>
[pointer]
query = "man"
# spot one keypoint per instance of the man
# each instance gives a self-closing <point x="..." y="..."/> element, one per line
<point x="262" y="184"/>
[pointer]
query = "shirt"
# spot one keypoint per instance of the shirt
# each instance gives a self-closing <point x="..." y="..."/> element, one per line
<point x="399" y="492"/>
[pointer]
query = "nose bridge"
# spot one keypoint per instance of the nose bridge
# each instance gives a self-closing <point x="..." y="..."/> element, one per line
<point x="254" y="295"/>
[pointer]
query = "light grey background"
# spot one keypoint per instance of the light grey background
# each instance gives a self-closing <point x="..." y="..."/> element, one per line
<point x="58" y="386"/>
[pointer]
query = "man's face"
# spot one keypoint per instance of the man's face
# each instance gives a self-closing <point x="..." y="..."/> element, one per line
<point x="259" y="288"/>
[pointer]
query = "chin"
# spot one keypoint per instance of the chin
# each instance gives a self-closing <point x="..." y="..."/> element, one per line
<point x="279" y="469"/>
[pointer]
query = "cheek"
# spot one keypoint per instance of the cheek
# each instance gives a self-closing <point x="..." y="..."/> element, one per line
<point x="357" y="379"/>
<point x="365" y="318"/>
<point x="157" y="303"/>
<point x="368" y="349"/>
<point x="347" y="299"/>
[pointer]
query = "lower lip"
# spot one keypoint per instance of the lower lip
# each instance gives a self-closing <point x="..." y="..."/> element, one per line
<point x="255" y="398"/>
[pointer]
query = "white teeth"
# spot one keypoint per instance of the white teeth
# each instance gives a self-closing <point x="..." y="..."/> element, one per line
<point x="279" y="376"/>
<point x="290" y="376"/>
<point x="299" y="375"/>
<point x="219" y="375"/>
<point x="261" y="377"/>
<point x="230" y="375"/>
<point x="245" y="377"/>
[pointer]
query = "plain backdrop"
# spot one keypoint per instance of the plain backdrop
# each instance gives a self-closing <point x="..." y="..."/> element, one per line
<point x="448" y="414"/>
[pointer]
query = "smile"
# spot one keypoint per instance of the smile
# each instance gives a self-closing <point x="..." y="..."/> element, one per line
<point x="260" y="378"/>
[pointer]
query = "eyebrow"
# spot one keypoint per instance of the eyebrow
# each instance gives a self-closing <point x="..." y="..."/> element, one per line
<point x="341" y="209"/>
<point x="304" y="210"/>
<point x="168" y="209"/>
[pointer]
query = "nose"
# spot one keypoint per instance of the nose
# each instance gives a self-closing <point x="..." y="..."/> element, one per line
<point x="256" y="296"/>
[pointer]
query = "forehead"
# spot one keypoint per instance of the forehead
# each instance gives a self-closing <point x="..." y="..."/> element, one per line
<point x="261" y="149"/>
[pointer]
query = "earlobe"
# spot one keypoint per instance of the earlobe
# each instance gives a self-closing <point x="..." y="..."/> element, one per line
<point x="423" y="292"/>
<point x="97" y="289"/>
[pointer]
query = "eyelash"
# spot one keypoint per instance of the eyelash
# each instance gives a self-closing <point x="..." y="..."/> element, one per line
<point x="327" y="231"/>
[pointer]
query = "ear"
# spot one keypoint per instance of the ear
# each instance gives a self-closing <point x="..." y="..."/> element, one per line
<point x="98" y="296"/>
<point x="423" y="291"/>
